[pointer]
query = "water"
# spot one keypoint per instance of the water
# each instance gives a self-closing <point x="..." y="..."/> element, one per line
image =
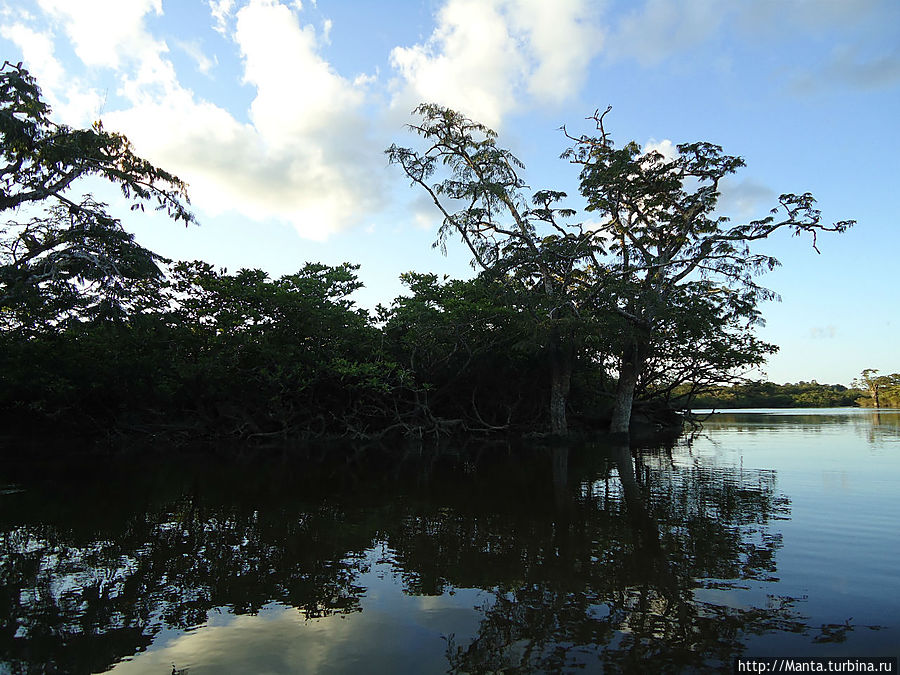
<point x="772" y="533"/>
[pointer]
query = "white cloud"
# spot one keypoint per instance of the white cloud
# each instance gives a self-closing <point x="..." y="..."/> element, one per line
<point x="37" y="51"/>
<point x="297" y="91"/>
<point x="485" y="56"/>
<point x="103" y="32"/>
<point x="112" y="34"/>
<point x="563" y="38"/>
<point x="304" y="157"/>
<point x="72" y="102"/>
<point x="664" y="147"/>
<point x="471" y="62"/>
<point x="195" y="51"/>
<point x="221" y="11"/>
<point x="305" y="153"/>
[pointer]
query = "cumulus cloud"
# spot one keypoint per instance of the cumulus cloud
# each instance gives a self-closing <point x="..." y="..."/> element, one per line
<point x="485" y="56"/>
<point x="304" y="154"/>
<point x="104" y="32"/>
<point x="471" y="62"/>
<point x="72" y="102"/>
<point x="664" y="147"/>
<point x="303" y="151"/>
<point x="37" y="50"/>
<point x="113" y="34"/>
<point x="304" y="157"/>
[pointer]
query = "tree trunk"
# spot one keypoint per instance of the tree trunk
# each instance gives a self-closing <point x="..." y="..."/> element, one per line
<point x="560" y="381"/>
<point x="629" y="371"/>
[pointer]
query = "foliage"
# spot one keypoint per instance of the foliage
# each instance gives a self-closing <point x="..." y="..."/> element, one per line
<point x="68" y="258"/>
<point x="880" y="391"/>
<point x="666" y="239"/>
<point x="42" y="159"/>
<point x="666" y="284"/>
<point x="472" y="353"/>
<point x="702" y="340"/>
<point x="514" y="237"/>
<point x="771" y="395"/>
<point x="216" y="354"/>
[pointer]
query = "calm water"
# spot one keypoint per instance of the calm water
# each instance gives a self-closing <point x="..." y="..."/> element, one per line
<point x="772" y="533"/>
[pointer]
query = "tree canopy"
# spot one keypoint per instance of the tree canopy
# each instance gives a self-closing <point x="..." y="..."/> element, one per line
<point x="883" y="391"/>
<point x="565" y="324"/>
<point x="661" y="267"/>
<point x="518" y="236"/>
<point x="62" y="254"/>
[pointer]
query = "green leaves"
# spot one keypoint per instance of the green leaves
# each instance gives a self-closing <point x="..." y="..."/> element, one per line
<point x="71" y="260"/>
<point x="42" y="160"/>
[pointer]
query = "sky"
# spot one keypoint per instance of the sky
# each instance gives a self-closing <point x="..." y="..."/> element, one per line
<point x="277" y="114"/>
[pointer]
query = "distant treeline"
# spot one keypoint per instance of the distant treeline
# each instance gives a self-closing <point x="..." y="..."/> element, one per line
<point x="788" y="395"/>
<point x="772" y="395"/>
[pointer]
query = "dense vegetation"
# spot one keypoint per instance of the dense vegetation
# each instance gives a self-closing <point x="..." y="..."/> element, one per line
<point x="788" y="395"/>
<point x="667" y="281"/>
<point x="564" y="325"/>
<point x="870" y="390"/>
<point x="881" y="391"/>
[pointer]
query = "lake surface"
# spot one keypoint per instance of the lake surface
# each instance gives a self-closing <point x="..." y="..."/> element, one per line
<point x="771" y="533"/>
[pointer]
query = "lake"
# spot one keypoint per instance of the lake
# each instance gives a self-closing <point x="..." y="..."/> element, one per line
<point x="768" y="533"/>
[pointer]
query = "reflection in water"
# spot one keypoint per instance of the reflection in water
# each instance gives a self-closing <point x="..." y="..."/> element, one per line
<point x="877" y="426"/>
<point x="541" y="560"/>
<point x="621" y="590"/>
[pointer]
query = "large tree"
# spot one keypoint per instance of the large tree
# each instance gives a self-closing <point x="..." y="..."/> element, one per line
<point x="61" y="253"/>
<point x="659" y="270"/>
<point x="523" y="237"/>
<point x="666" y="235"/>
<point x="881" y="388"/>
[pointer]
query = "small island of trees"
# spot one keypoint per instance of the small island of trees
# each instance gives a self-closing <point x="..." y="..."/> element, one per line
<point x="648" y="311"/>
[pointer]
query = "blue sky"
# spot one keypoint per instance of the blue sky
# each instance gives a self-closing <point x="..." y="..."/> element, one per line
<point x="277" y="114"/>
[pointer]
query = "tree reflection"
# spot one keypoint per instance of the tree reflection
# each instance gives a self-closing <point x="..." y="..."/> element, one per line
<point x="621" y="591"/>
<point x="596" y="556"/>
<point x="80" y="594"/>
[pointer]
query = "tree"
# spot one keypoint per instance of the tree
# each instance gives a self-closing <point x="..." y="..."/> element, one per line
<point x="660" y="271"/>
<point x="261" y="357"/>
<point x="659" y="215"/>
<point x="702" y="341"/>
<point x="881" y="388"/>
<point x="472" y="353"/>
<point x="482" y="198"/>
<point x="68" y="256"/>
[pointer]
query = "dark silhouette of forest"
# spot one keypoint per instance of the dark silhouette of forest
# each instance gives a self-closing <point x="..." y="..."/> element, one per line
<point x="564" y="327"/>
